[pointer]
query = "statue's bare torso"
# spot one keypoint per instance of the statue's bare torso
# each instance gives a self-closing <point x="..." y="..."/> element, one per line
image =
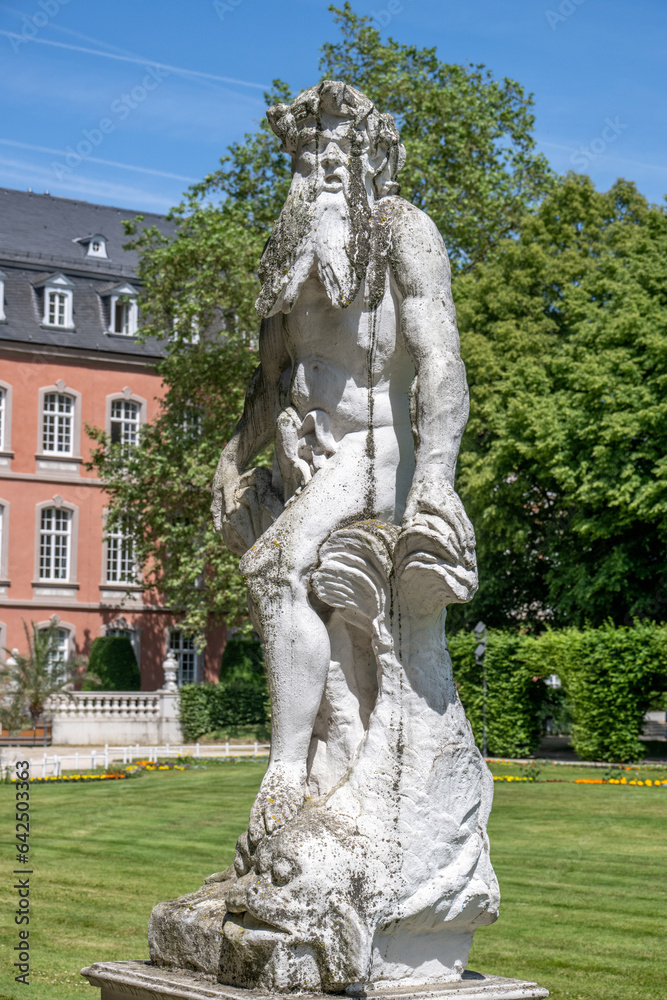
<point x="351" y="363"/>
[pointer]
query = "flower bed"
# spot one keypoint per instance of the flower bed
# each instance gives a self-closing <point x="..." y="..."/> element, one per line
<point x="185" y="764"/>
<point x="645" y="782"/>
<point x="80" y="778"/>
<point x="137" y="768"/>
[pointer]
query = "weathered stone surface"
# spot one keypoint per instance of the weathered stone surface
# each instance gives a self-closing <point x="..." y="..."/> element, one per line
<point x="366" y="858"/>
<point x="143" y="981"/>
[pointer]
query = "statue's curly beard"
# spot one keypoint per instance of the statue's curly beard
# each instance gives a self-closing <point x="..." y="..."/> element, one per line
<point x="330" y="230"/>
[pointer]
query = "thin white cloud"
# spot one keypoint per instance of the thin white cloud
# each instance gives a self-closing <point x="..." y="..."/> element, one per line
<point x="18" y="174"/>
<point x="608" y="157"/>
<point x="94" y="159"/>
<point x="136" y="59"/>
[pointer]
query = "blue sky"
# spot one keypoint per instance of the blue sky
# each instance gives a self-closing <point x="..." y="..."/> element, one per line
<point x="158" y="88"/>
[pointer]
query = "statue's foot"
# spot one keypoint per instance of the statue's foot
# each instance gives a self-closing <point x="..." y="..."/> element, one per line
<point x="281" y="795"/>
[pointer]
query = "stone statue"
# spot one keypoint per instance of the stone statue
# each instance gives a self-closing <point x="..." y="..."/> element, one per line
<point x="366" y="858"/>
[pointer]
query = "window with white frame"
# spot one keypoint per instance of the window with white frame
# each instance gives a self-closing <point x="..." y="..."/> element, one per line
<point x="55" y="543"/>
<point x="97" y="247"/>
<point x="120" y="633"/>
<point x="125" y="422"/>
<point x="123" y="310"/>
<point x="57" y="295"/>
<point x="3" y="417"/>
<point x="57" y="423"/>
<point x="192" y="422"/>
<point x="121" y="566"/>
<point x="56" y="307"/>
<point x="184" y="650"/>
<point x="59" y="651"/>
<point x="124" y="316"/>
<point x="2" y="296"/>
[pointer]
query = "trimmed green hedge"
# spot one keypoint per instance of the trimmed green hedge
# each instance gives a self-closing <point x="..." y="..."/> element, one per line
<point x="207" y="707"/>
<point x="610" y="677"/>
<point x="515" y="692"/>
<point x="241" y="698"/>
<point x="112" y="659"/>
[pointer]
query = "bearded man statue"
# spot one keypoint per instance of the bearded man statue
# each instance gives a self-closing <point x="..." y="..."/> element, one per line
<point x="362" y="386"/>
<point x="366" y="859"/>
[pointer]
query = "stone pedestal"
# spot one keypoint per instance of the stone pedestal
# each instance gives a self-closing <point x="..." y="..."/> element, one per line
<point x="143" y="981"/>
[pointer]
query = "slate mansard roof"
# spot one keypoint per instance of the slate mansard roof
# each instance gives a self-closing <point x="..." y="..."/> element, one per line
<point x="38" y="239"/>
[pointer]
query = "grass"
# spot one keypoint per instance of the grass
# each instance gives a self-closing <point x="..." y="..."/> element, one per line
<point x="581" y="871"/>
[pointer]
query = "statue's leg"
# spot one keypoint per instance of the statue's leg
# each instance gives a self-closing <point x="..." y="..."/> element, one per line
<point x="296" y="642"/>
<point x="297" y="655"/>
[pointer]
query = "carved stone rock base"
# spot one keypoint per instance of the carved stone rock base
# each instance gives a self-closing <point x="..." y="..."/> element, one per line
<point x="143" y="981"/>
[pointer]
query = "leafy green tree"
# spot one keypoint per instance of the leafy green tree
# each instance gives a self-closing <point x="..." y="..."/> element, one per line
<point x="471" y="160"/>
<point x="198" y="294"/>
<point x="563" y="466"/>
<point x="471" y="164"/>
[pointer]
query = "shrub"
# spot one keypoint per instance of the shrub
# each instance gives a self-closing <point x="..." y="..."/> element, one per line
<point x="229" y="704"/>
<point x="515" y="692"/>
<point x="112" y="659"/>
<point x="611" y="675"/>
<point x="194" y="702"/>
<point x="237" y="703"/>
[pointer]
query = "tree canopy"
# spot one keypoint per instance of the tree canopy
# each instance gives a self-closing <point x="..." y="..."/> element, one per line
<point x="471" y="165"/>
<point x="563" y="466"/>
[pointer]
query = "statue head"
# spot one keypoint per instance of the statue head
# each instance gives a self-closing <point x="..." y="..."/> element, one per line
<point x="333" y="128"/>
<point x="346" y="155"/>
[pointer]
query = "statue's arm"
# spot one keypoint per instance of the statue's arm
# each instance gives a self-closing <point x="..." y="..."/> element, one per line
<point x="428" y="326"/>
<point x="437" y="541"/>
<point x="256" y="427"/>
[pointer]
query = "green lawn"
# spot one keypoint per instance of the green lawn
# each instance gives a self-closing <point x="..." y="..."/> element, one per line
<point x="581" y="871"/>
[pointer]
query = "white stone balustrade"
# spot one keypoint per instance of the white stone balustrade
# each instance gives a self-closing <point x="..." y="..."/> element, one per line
<point x="94" y="717"/>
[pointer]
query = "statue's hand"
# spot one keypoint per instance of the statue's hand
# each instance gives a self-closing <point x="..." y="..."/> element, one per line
<point x="435" y="551"/>
<point x="244" y="504"/>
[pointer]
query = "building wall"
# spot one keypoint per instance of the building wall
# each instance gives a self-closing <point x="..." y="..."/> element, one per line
<point x="25" y="483"/>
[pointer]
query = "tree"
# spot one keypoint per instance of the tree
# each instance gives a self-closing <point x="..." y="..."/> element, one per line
<point x="563" y="465"/>
<point x="29" y="680"/>
<point x="471" y="163"/>
<point x="198" y="294"/>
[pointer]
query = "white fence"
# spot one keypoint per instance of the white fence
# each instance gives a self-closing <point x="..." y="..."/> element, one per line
<point x="49" y="765"/>
<point x="120" y="717"/>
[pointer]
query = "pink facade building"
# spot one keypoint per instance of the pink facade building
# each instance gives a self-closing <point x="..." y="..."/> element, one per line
<point x="69" y="357"/>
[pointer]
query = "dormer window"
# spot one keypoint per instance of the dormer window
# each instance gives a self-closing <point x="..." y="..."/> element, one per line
<point x="123" y="311"/>
<point x="96" y="246"/>
<point x="58" y="301"/>
<point x="2" y="296"/>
